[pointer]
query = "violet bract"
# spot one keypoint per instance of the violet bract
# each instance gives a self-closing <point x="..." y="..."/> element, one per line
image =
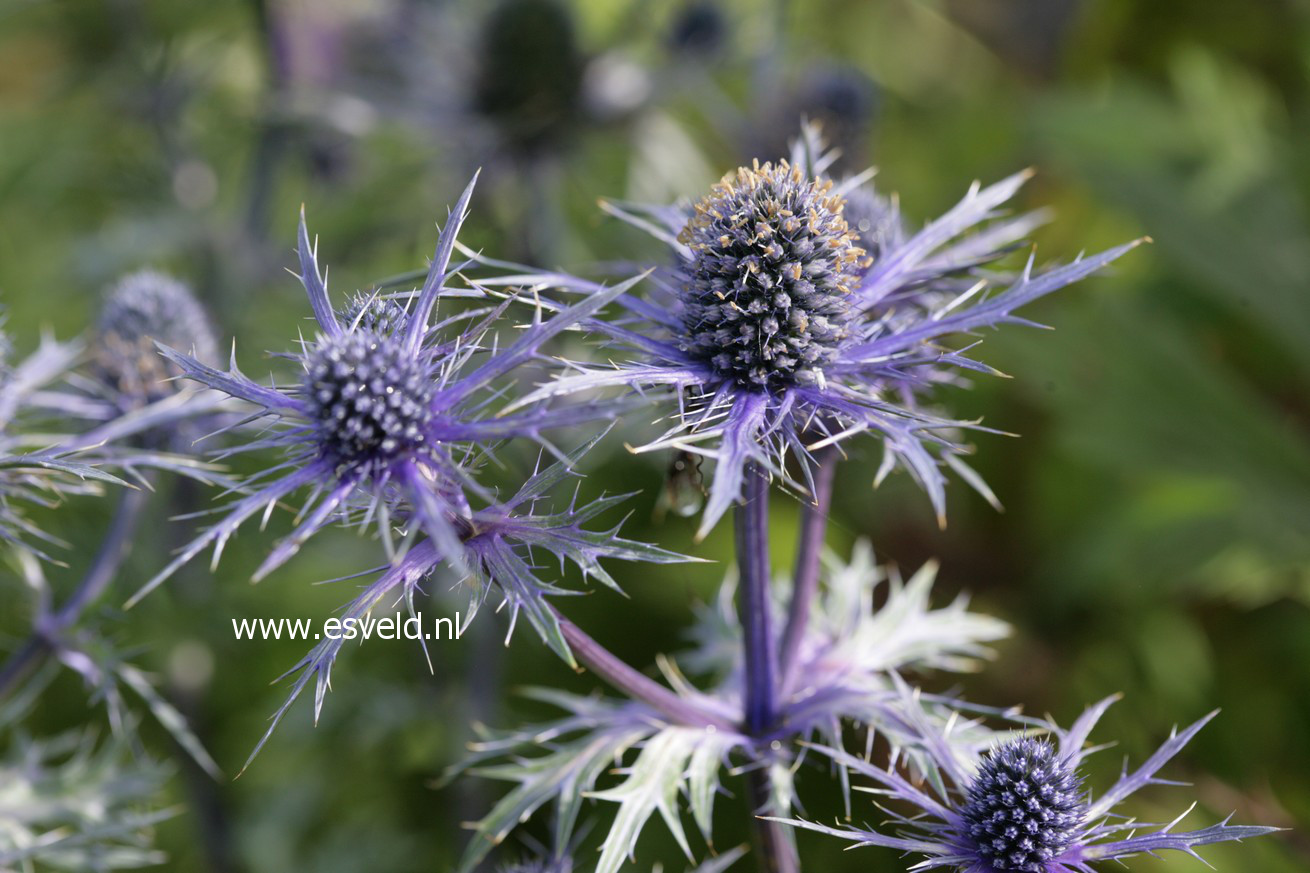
<point x="782" y="328"/>
<point x="1019" y="805"/>
<point x="390" y="414"/>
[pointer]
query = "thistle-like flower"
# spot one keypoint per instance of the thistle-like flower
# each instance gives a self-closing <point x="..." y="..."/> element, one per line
<point x="786" y="324"/>
<point x="388" y="415"/>
<point x="1020" y="805"/>
<point x="846" y="672"/>
<point x="144" y="308"/>
<point x="498" y="544"/>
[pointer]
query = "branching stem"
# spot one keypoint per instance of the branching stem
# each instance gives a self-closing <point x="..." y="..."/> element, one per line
<point x="113" y="549"/>
<point x="635" y="684"/>
<point x="805" y="584"/>
<point x="752" y="527"/>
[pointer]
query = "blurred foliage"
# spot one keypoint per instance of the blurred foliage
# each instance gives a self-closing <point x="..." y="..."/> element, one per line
<point x="1156" y="538"/>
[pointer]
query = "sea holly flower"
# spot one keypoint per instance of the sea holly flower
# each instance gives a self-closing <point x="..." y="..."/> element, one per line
<point x="500" y="544"/>
<point x="44" y="460"/>
<point x="780" y="327"/>
<point x="389" y="414"/>
<point x="136" y="393"/>
<point x="847" y="672"/>
<point x="1021" y="805"/>
<point x="141" y="309"/>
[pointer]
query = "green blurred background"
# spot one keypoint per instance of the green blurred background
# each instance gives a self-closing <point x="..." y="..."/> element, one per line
<point x="1156" y="532"/>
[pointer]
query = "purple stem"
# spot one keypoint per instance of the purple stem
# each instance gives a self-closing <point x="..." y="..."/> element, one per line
<point x="814" y="524"/>
<point x="751" y="520"/>
<point x="106" y="563"/>
<point x="774" y="850"/>
<point x="616" y="672"/>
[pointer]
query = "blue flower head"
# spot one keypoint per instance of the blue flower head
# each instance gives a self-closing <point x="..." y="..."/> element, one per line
<point x="388" y="417"/>
<point x="1020" y="805"/>
<point x="797" y="313"/>
<point x="1025" y="805"/>
<point x="141" y="309"/>
<point x="385" y="427"/>
<point x="767" y="284"/>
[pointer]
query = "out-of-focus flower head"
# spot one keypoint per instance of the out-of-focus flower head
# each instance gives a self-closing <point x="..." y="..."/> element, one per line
<point x="57" y="440"/>
<point x="142" y="309"/>
<point x="1020" y="805"/>
<point x="389" y="415"/>
<point x="530" y="73"/>
<point x="841" y="99"/>
<point x="775" y="331"/>
<point x="699" y="28"/>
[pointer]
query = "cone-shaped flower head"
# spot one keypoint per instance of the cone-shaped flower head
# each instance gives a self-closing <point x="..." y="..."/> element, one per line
<point x="389" y="415"/>
<point x="1025" y="805"/>
<point x="371" y="401"/>
<point x="371" y="312"/>
<point x="766" y="298"/>
<point x="141" y="309"/>
<point x="796" y="313"/>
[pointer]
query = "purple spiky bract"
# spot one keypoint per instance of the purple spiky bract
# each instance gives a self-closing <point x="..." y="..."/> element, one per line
<point x="780" y="328"/>
<point x="1020" y="806"/>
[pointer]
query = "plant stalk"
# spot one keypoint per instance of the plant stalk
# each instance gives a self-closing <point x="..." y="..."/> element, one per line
<point x="113" y="549"/>
<point x="774" y="850"/>
<point x="634" y="684"/>
<point x="751" y="520"/>
<point x="805" y="584"/>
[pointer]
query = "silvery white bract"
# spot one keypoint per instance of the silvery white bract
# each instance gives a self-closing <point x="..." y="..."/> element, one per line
<point x="846" y="673"/>
<point x="68" y="803"/>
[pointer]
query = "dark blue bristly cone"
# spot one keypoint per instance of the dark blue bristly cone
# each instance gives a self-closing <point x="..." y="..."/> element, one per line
<point x="371" y="399"/>
<point x="765" y="298"/>
<point x="1025" y="806"/>
<point x="374" y="313"/>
